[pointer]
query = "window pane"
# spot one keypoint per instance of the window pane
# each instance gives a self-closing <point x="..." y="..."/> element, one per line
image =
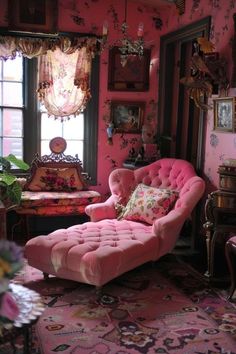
<point x="1" y="122"/>
<point x="0" y="132"/>
<point x="50" y="128"/>
<point x="13" y="70"/>
<point x="0" y="93"/>
<point x="12" y="122"/>
<point x="75" y="147"/>
<point x="45" y="150"/>
<point x="12" y="94"/>
<point x="74" y="128"/>
<point x="70" y="129"/>
<point x="13" y="146"/>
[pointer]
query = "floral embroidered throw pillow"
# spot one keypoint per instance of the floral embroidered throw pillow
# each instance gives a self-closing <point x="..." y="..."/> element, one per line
<point x="148" y="204"/>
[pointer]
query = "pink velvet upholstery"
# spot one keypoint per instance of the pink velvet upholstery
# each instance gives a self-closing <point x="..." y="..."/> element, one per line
<point x="103" y="248"/>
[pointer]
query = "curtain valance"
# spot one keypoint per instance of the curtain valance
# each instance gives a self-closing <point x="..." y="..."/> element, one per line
<point x="31" y="47"/>
<point x="64" y="69"/>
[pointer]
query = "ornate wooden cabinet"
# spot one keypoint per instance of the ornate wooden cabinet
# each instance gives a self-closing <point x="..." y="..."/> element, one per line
<point x="220" y="214"/>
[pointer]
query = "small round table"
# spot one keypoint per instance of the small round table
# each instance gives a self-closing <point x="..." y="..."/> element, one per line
<point x="30" y="307"/>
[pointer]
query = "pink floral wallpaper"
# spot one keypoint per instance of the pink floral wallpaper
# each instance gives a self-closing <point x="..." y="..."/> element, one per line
<point x="88" y="16"/>
<point x="219" y="146"/>
<point x="113" y="155"/>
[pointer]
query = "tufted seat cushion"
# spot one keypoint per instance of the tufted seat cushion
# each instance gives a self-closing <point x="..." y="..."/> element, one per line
<point x="93" y="253"/>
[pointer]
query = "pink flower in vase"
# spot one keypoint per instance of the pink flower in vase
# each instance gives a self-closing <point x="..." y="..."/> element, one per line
<point x="8" y="307"/>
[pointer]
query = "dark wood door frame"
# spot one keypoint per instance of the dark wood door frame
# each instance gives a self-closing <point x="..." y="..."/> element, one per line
<point x="173" y="102"/>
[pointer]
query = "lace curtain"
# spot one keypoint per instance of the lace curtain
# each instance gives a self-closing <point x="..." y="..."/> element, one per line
<point x="64" y="82"/>
<point x="64" y="70"/>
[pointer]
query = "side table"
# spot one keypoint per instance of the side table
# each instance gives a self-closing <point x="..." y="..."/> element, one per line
<point x="30" y="308"/>
<point x="220" y="215"/>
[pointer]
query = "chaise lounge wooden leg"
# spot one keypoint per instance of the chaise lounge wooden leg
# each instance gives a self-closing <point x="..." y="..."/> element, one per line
<point x="45" y="276"/>
<point x="14" y="226"/>
<point x="98" y="291"/>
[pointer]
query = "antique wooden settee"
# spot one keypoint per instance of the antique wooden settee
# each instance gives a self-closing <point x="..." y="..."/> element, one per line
<point x="56" y="186"/>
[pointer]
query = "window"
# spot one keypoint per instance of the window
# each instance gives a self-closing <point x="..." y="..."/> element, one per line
<point x="11" y="107"/>
<point x="72" y="130"/>
<point x="25" y="129"/>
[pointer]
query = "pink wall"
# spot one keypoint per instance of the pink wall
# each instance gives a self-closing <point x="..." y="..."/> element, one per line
<point x="219" y="145"/>
<point x="92" y="13"/>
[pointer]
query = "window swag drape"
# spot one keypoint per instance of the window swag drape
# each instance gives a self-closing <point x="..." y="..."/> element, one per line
<point x="64" y="69"/>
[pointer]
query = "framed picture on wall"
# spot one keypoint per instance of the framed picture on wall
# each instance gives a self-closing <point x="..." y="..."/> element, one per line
<point x="34" y="16"/>
<point x="133" y="76"/>
<point x="127" y="117"/>
<point x="224" y="114"/>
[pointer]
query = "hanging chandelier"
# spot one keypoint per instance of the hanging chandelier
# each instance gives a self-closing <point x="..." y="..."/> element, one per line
<point x="126" y="45"/>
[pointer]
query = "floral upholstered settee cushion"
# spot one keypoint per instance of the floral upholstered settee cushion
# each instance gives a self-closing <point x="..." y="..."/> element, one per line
<point x="56" y="203"/>
<point x="56" y="179"/>
<point x="148" y="204"/>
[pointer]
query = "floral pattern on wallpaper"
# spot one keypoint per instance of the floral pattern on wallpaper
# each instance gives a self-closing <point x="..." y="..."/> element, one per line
<point x="214" y="140"/>
<point x="218" y="146"/>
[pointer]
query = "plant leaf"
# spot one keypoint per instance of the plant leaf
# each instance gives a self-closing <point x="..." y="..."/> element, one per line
<point x="6" y="166"/>
<point x="17" y="162"/>
<point x="7" y="178"/>
<point x="14" y="192"/>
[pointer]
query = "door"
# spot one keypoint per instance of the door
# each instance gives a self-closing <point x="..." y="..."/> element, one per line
<point x="180" y="122"/>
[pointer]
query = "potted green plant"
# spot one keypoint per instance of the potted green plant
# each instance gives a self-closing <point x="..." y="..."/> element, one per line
<point x="10" y="188"/>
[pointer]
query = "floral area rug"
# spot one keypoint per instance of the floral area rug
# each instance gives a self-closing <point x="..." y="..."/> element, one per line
<point x="162" y="307"/>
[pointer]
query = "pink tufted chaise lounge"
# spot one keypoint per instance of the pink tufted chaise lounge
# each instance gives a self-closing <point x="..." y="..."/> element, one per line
<point x="99" y="250"/>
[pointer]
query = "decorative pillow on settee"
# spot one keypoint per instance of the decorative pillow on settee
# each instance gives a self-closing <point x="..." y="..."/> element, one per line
<point x="148" y="204"/>
<point x="56" y="179"/>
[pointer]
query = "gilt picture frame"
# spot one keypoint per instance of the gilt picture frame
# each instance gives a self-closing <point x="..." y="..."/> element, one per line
<point x="127" y="117"/>
<point x="224" y="114"/>
<point x="133" y="76"/>
<point x="33" y="16"/>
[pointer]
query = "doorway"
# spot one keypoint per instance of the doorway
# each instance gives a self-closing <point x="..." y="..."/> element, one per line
<point x="180" y="123"/>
